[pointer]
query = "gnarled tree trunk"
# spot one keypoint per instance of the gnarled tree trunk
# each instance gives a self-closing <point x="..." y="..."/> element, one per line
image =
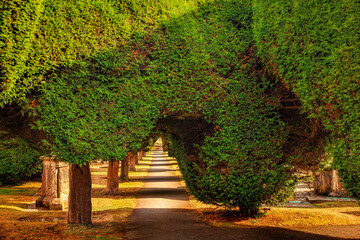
<point x="79" y="194"/>
<point x="125" y="169"/>
<point x="132" y="162"/>
<point x="112" y="185"/>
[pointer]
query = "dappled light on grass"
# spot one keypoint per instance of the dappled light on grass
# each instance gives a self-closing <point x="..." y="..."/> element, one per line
<point x="303" y="217"/>
<point x="98" y="173"/>
<point x="18" y="223"/>
<point x="281" y="217"/>
<point x="28" y="188"/>
<point x="108" y="219"/>
<point x="109" y="212"/>
<point x="142" y="167"/>
<point x="94" y="185"/>
<point x="124" y="200"/>
<point x="145" y="162"/>
<point x="20" y="201"/>
<point x="101" y="170"/>
<point x="137" y="174"/>
<point x="102" y="204"/>
<point x="18" y="197"/>
<point x="336" y="204"/>
<point x="11" y="207"/>
<point x="131" y="184"/>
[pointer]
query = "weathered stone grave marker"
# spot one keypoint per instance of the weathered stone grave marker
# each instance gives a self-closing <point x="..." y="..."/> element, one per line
<point x="54" y="190"/>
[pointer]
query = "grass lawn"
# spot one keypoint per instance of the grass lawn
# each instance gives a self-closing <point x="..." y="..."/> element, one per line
<point x="18" y="220"/>
<point x="323" y="214"/>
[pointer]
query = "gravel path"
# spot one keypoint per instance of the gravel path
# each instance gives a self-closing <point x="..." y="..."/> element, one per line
<point x="163" y="212"/>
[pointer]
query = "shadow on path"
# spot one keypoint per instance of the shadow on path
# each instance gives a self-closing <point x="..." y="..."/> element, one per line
<point x="163" y="212"/>
<point x="181" y="224"/>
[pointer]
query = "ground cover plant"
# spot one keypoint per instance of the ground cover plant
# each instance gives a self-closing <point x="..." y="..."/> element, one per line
<point x="19" y="160"/>
<point x="242" y="97"/>
<point x="19" y="149"/>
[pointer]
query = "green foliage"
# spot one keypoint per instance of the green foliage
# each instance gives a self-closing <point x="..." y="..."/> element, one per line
<point x="165" y="143"/>
<point x="244" y="157"/>
<point x="115" y="111"/>
<point x="18" y="160"/>
<point x="346" y="160"/>
<point x="240" y="164"/>
<point x="18" y="24"/>
<point x="148" y="144"/>
<point x="105" y="74"/>
<point x="314" y="47"/>
<point x="37" y="36"/>
<point x="102" y="118"/>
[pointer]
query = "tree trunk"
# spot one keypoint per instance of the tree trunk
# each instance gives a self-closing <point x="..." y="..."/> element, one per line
<point x="112" y="185"/>
<point x="132" y="162"/>
<point x="140" y="155"/>
<point x="125" y="169"/>
<point x="79" y="194"/>
<point x="137" y="158"/>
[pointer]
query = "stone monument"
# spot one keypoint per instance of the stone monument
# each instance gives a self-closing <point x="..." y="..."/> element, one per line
<point x="54" y="190"/>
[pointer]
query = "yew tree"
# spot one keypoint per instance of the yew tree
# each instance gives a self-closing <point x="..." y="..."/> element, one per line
<point x="89" y="120"/>
<point x="314" y="48"/>
<point x="244" y="90"/>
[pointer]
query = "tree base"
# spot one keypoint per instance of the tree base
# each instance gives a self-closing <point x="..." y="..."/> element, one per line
<point x="79" y="194"/>
<point x="112" y="187"/>
<point x="125" y="165"/>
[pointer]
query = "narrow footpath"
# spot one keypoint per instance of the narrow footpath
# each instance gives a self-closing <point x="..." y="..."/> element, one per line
<point x="163" y="212"/>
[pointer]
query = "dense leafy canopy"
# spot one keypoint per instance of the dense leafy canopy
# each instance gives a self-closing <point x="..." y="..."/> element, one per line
<point x="216" y="76"/>
<point x="314" y="47"/>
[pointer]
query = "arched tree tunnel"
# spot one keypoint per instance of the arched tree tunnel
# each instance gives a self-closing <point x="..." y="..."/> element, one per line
<point x="192" y="130"/>
<point x="243" y="98"/>
<point x="186" y="134"/>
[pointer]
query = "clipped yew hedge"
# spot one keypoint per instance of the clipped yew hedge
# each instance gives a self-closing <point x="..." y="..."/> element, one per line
<point x="245" y="89"/>
<point x="314" y="48"/>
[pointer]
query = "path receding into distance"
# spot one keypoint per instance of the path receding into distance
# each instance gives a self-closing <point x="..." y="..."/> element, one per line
<point x="163" y="212"/>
